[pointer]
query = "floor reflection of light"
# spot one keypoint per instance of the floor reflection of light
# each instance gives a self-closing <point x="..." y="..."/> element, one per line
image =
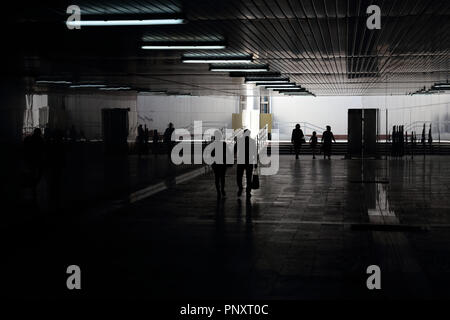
<point x="382" y="213"/>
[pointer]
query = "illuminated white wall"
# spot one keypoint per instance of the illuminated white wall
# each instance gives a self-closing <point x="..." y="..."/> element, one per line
<point x="411" y="111"/>
<point x="158" y="111"/>
<point x="318" y="111"/>
<point x="84" y="110"/>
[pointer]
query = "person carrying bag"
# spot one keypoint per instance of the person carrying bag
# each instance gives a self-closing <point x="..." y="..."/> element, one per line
<point x="255" y="179"/>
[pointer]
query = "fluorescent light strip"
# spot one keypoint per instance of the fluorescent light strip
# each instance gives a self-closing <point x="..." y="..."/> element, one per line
<point x="152" y="92"/>
<point x="88" y="86"/>
<point x="237" y="70"/>
<point x="271" y="86"/>
<point x="53" y="82"/>
<point x="262" y="82"/>
<point x="216" y="61"/>
<point x="285" y="89"/>
<point x="107" y="23"/>
<point x="183" y="47"/>
<point x="115" y="88"/>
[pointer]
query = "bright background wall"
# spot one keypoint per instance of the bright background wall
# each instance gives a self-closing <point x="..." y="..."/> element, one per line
<point x="84" y="111"/>
<point x="316" y="111"/>
<point x="158" y="111"/>
<point x="410" y="111"/>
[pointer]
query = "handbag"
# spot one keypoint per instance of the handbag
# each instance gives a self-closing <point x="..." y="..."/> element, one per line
<point x="255" y="179"/>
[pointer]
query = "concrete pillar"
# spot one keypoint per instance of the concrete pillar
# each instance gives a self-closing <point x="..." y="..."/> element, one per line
<point x="12" y="108"/>
<point x="250" y="115"/>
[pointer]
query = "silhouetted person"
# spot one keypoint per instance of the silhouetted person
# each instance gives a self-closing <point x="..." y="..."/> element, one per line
<point x="401" y="141"/>
<point x="413" y="143"/>
<point x="47" y="133"/>
<point x="430" y="140"/>
<point x="167" y="139"/>
<point x="56" y="158"/>
<point x="297" y="139"/>
<point x="146" y="138"/>
<point x="140" y="139"/>
<point x="83" y="136"/>
<point x="155" y="141"/>
<point x="327" y="138"/>
<point x="34" y="151"/>
<point x="220" y="168"/>
<point x="246" y="158"/>
<point x="423" y="136"/>
<point x="313" y="143"/>
<point x="394" y="141"/>
<point x="405" y="140"/>
<point x="73" y="134"/>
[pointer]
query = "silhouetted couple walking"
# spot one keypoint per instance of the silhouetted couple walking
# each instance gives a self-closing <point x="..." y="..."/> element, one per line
<point x="245" y="152"/>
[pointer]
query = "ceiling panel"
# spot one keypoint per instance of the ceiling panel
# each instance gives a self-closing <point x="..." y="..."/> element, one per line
<point x="322" y="45"/>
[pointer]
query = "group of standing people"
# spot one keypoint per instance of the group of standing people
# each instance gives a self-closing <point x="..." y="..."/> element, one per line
<point x="143" y="139"/>
<point x="298" y="138"/>
<point x="45" y="156"/>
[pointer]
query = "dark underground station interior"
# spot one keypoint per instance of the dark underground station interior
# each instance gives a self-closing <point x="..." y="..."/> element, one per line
<point x="225" y="150"/>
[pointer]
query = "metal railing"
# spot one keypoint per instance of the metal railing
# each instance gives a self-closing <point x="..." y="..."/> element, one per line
<point x="306" y="127"/>
<point x="262" y="139"/>
<point x="206" y="125"/>
<point x="236" y="134"/>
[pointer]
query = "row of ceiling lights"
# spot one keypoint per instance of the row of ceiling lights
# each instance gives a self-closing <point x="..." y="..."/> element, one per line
<point x="436" y="88"/>
<point x="218" y="63"/>
<point x="280" y="84"/>
<point x="104" y="87"/>
<point x="240" y="64"/>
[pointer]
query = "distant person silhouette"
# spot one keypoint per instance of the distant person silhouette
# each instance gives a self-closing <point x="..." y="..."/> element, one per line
<point x="155" y="141"/>
<point x="146" y="138"/>
<point x="167" y="139"/>
<point x="246" y="158"/>
<point x="220" y="167"/>
<point x="413" y="143"/>
<point x="313" y="143"/>
<point x="34" y="152"/>
<point x="423" y="141"/>
<point x="48" y="133"/>
<point x="327" y="138"/>
<point x="297" y="138"/>
<point x="73" y="134"/>
<point x="140" y="140"/>
<point x="56" y="159"/>
<point x="430" y="140"/>
<point x="83" y="136"/>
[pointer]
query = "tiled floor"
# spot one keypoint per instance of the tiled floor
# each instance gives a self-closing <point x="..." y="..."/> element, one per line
<point x="87" y="176"/>
<point x="309" y="232"/>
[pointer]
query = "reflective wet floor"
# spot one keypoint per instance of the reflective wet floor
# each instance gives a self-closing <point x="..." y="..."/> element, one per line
<point x="309" y="232"/>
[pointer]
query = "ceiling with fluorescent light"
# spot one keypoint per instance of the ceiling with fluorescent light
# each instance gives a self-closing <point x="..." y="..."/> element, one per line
<point x="321" y="45"/>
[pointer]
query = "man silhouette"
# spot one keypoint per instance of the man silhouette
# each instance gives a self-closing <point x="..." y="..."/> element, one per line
<point x="327" y="138"/>
<point x="297" y="139"/>
<point x="246" y="158"/>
